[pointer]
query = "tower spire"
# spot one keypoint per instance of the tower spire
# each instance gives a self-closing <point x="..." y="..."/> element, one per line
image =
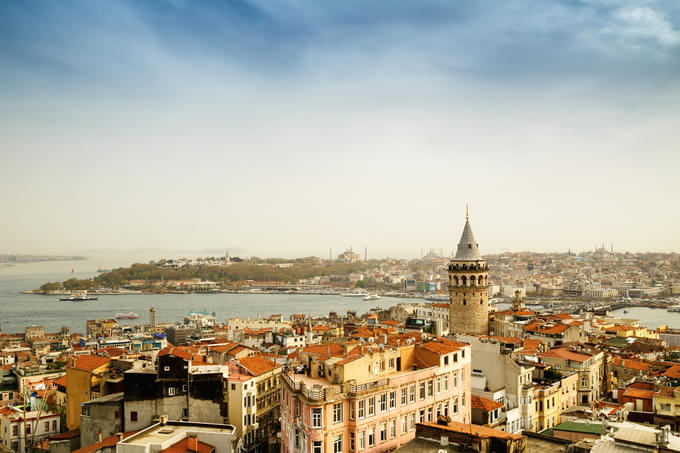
<point x="467" y="211"/>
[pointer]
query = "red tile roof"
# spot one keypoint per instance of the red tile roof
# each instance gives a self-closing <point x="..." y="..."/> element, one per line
<point x="90" y="362"/>
<point x="673" y="372"/>
<point x="632" y="364"/>
<point x="257" y="364"/>
<point x="183" y="446"/>
<point x="175" y="351"/>
<point x="563" y="353"/>
<point x="108" y="442"/>
<point x="638" y="393"/>
<point x="484" y="404"/>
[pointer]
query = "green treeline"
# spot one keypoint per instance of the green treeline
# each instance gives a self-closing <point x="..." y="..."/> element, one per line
<point x="241" y="271"/>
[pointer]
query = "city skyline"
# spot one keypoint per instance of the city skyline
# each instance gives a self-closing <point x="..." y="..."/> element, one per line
<point x="290" y="128"/>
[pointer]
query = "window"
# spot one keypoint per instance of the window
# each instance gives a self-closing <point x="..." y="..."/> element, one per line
<point x="455" y="405"/>
<point x="393" y="399"/>
<point x="413" y="421"/>
<point x="54" y="425"/>
<point x="351" y="441"/>
<point x="455" y="380"/>
<point x="371" y="436"/>
<point x="337" y="413"/>
<point x="133" y="416"/>
<point x="439" y="410"/>
<point x="362" y="409"/>
<point x="316" y="417"/>
<point x="446" y="360"/>
<point x="337" y="444"/>
<point x="446" y="383"/>
<point x="462" y="400"/>
<point x="28" y="428"/>
<point x="404" y="396"/>
<point x="371" y="406"/>
<point x="439" y="385"/>
<point x="47" y="426"/>
<point x="421" y="416"/>
<point x="383" y="432"/>
<point x="393" y="428"/>
<point x="233" y="386"/>
<point x="351" y="410"/>
<point x="383" y="402"/>
<point x="430" y="387"/>
<point x="412" y="394"/>
<point x="297" y="407"/>
<point x="422" y="390"/>
<point x="317" y="446"/>
<point x="391" y="363"/>
<point x="455" y="357"/>
<point x="404" y="425"/>
<point x="446" y="409"/>
<point x="429" y="414"/>
<point x="171" y="391"/>
<point x="362" y="440"/>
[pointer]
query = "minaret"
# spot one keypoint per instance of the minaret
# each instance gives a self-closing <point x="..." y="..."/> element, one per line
<point x="468" y="286"/>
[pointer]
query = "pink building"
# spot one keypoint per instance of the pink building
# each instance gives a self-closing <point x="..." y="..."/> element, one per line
<point x="368" y="397"/>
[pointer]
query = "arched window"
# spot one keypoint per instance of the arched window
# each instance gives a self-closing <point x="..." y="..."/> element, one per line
<point x="464" y="302"/>
<point x="472" y="280"/>
<point x="481" y="301"/>
<point x="464" y="280"/>
<point x="455" y="279"/>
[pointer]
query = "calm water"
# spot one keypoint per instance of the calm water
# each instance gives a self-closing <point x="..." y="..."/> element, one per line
<point x="19" y="310"/>
<point x="650" y="317"/>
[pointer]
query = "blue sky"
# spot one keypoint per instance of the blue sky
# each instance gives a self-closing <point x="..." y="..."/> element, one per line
<point x="291" y="127"/>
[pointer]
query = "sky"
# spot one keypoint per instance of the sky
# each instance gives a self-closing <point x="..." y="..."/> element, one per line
<point x="293" y="128"/>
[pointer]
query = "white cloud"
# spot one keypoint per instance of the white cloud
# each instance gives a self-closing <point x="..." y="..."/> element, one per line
<point x="645" y="23"/>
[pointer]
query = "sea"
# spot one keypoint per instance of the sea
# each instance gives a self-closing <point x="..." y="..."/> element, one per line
<point x="18" y="310"/>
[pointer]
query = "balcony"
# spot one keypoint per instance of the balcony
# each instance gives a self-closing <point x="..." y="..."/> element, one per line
<point x="319" y="390"/>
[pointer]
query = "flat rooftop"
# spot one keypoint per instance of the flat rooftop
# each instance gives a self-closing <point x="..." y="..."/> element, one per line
<point x="159" y="434"/>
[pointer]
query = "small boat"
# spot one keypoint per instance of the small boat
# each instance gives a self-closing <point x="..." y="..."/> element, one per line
<point x="129" y="315"/>
<point x="355" y="294"/>
<point x="77" y="297"/>
<point x="372" y="297"/>
<point x="674" y="309"/>
<point x="625" y="311"/>
<point x="103" y="269"/>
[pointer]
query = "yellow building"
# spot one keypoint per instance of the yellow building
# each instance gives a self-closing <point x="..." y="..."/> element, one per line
<point x="546" y="406"/>
<point x="85" y="380"/>
<point x="667" y="407"/>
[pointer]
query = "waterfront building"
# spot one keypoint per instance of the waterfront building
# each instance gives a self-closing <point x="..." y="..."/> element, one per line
<point x="369" y="395"/>
<point x="468" y="287"/>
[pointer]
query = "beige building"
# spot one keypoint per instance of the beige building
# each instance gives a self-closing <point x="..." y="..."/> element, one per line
<point x="589" y="368"/>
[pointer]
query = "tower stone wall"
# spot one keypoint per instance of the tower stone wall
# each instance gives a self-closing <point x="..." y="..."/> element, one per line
<point x="468" y="287"/>
<point x="469" y="297"/>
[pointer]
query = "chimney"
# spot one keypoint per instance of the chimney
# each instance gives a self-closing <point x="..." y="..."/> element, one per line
<point x="192" y="442"/>
<point x="120" y="437"/>
<point x="164" y="420"/>
<point x="99" y="437"/>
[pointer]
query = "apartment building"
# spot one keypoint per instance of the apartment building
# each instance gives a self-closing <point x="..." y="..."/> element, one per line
<point x="589" y="367"/>
<point x="368" y="397"/>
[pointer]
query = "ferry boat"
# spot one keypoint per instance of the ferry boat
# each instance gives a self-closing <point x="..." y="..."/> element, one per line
<point x="78" y="297"/>
<point x="372" y="297"/>
<point x="674" y="309"/>
<point x="129" y="315"/>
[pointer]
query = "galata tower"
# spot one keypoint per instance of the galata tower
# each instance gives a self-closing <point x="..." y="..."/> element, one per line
<point x="468" y="287"/>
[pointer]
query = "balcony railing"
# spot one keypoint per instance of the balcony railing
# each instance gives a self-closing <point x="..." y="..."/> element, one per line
<point x="327" y="392"/>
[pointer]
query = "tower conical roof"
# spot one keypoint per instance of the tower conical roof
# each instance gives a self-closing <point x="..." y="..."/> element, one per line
<point x="468" y="249"/>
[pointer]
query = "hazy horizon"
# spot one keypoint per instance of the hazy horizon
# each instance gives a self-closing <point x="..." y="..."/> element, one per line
<point x="288" y="128"/>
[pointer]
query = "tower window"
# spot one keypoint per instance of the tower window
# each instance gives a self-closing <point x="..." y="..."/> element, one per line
<point x="464" y="302"/>
<point x="481" y="301"/>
